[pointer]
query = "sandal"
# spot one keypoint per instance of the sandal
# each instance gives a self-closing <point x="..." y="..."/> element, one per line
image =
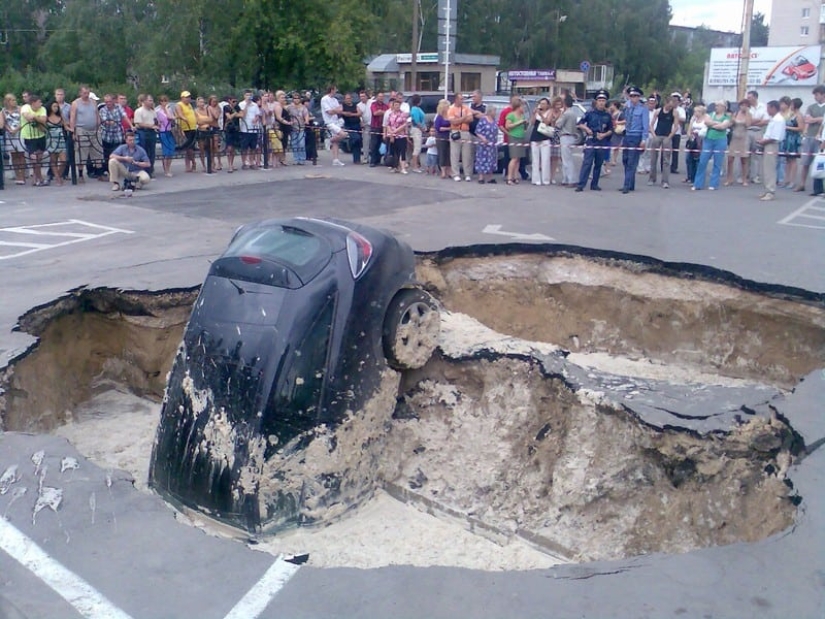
<point x="510" y="181"/>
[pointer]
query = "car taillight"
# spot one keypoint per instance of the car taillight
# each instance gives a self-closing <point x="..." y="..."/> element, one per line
<point x="250" y="260"/>
<point x="359" y="251"/>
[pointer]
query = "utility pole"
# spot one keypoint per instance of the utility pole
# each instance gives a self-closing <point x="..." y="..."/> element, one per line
<point x="745" y="52"/>
<point x="414" y="47"/>
<point x="447" y="51"/>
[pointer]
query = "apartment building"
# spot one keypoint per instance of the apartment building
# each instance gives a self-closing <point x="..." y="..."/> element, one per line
<point x="796" y="22"/>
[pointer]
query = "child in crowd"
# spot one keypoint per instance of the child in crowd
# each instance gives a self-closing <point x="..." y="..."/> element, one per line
<point x="432" y="152"/>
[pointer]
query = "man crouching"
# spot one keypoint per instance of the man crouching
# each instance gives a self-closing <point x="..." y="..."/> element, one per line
<point x="129" y="162"/>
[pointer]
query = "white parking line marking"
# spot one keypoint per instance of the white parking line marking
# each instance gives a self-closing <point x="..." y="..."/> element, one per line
<point x="51" y="230"/>
<point x="261" y="594"/>
<point x="87" y="600"/>
<point x="800" y="213"/>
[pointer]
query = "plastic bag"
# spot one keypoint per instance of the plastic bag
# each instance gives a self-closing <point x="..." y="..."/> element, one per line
<point x="818" y="166"/>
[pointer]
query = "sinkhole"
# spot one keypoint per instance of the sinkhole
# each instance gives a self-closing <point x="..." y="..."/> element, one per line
<point x="590" y="406"/>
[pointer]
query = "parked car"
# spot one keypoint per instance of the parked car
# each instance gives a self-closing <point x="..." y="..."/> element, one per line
<point x="800" y="68"/>
<point x="292" y="330"/>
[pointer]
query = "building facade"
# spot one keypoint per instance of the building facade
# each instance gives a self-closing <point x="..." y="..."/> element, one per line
<point x="796" y="22"/>
<point x="468" y="72"/>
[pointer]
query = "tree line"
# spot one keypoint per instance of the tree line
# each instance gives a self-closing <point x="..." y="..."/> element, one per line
<point x="214" y="45"/>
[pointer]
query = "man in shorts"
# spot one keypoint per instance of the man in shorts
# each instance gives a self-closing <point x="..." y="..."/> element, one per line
<point x="250" y="122"/>
<point x="810" y="141"/>
<point x="33" y="134"/>
<point x="330" y="110"/>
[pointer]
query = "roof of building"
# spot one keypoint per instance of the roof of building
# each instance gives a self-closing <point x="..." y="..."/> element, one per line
<point x="388" y="63"/>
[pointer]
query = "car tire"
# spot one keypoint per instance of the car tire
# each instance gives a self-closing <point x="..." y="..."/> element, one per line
<point x="411" y="328"/>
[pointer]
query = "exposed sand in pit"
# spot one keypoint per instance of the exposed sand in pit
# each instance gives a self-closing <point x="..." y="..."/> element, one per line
<point x="115" y="430"/>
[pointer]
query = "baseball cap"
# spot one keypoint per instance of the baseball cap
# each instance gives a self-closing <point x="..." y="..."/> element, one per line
<point x="678" y="95"/>
<point x="94" y="97"/>
<point x="185" y="93"/>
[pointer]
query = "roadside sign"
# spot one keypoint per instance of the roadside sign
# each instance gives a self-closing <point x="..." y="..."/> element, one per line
<point x="584" y="66"/>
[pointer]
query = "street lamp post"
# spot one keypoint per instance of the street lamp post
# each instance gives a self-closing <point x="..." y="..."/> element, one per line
<point x="559" y="19"/>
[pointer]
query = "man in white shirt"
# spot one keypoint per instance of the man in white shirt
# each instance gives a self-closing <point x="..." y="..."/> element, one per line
<point x="810" y="139"/>
<point x="364" y="110"/>
<point x="774" y="136"/>
<point x="644" y="158"/>
<point x="250" y="124"/>
<point x="330" y="110"/>
<point x="676" y="141"/>
<point x="759" y="120"/>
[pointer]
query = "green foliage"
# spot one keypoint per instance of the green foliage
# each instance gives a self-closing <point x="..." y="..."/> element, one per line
<point x="759" y="31"/>
<point x="216" y="45"/>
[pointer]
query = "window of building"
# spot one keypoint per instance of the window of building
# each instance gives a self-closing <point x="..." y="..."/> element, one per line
<point x="425" y="80"/>
<point x="806" y="13"/>
<point x="470" y="82"/>
<point x="803" y="31"/>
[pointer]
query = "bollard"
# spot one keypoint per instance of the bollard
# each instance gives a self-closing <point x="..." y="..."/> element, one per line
<point x="265" y="147"/>
<point x="71" y="157"/>
<point x="209" y="153"/>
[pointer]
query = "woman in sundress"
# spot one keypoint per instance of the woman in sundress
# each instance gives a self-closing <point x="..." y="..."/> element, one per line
<point x="486" y="159"/>
<point x="56" y="141"/>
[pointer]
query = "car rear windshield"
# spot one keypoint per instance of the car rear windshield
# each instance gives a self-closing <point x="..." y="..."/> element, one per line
<point x="275" y="255"/>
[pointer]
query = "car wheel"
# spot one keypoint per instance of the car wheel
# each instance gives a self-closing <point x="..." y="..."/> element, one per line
<point x="411" y="327"/>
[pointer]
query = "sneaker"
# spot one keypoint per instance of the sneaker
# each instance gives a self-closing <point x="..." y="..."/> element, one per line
<point x="767" y="197"/>
<point x="468" y="178"/>
<point x="338" y="162"/>
<point x="756" y="180"/>
<point x="579" y="189"/>
<point x="665" y="186"/>
<point x="711" y="188"/>
<point x="115" y="187"/>
<point x="457" y="179"/>
<point x="404" y="172"/>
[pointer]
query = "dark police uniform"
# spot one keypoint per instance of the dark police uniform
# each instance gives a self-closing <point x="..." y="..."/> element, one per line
<point x="595" y="150"/>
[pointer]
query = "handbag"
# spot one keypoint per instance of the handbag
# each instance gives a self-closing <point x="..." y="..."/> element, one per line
<point x="455" y="136"/>
<point x="546" y="129"/>
<point x="818" y="166"/>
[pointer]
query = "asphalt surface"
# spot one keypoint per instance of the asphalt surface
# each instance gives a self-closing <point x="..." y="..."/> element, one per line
<point x="140" y="562"/>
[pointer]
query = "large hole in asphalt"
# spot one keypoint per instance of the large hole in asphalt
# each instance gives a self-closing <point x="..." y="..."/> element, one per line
<point x="591" y="407"/>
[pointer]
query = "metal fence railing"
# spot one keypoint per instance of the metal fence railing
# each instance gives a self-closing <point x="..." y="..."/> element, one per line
<point x="87" y="154"/>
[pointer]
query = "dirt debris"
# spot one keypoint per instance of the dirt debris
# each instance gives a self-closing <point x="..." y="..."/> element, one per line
<point x="502" y="443"/>
<point x="627" y="309"/>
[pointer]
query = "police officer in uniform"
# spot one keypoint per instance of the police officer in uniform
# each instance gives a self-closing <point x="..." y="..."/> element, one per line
<point x="633" y="143"/>
<point x="598" y="126"/>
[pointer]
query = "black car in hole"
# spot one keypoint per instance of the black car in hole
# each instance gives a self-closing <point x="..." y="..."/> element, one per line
<point x="293" y="327"/>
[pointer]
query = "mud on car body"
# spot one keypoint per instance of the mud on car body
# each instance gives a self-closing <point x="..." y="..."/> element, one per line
<point x="291" y="332"/>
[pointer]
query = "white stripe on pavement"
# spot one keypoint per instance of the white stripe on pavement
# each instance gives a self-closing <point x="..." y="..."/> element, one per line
<point x="261" y="594"/>
<point x="87" y="600"/>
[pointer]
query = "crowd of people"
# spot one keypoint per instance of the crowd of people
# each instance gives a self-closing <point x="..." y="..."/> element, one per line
<point x="772" y="144"/>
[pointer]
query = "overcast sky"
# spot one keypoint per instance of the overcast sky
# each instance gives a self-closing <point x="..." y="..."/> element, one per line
<point x="723" y="15"/>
